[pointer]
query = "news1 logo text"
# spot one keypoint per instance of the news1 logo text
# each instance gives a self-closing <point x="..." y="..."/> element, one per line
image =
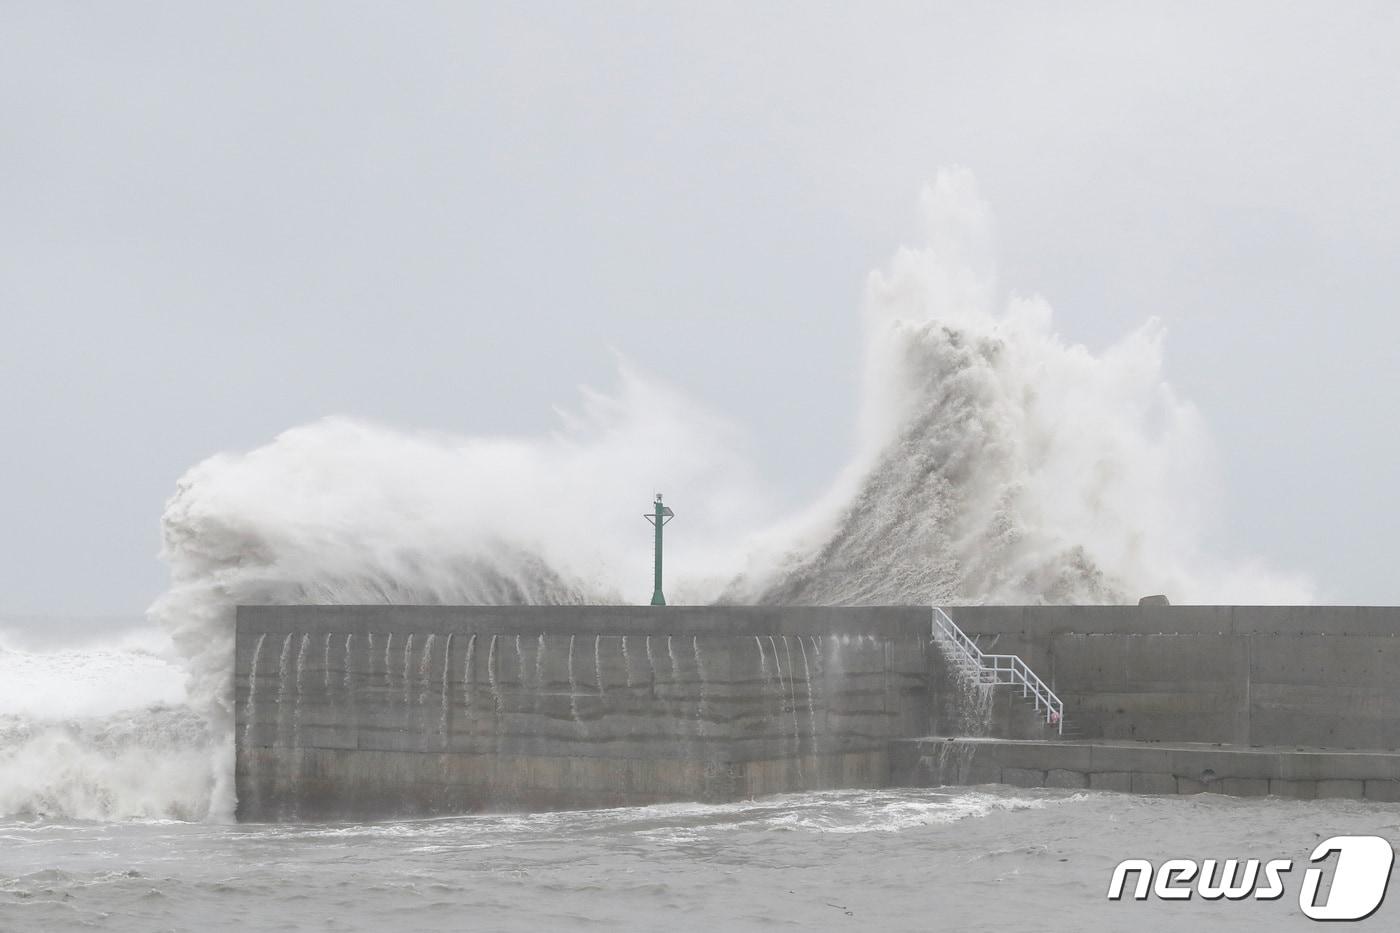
<point x="1359" y="865"/>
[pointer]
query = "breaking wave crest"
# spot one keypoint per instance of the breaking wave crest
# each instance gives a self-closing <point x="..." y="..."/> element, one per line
<point x="139" y="764"/>
<point x="999" y="463"/>
<point x="99" y="730"/>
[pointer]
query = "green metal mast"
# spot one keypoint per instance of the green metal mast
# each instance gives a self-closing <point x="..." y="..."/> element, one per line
<point x="658" y="519"/>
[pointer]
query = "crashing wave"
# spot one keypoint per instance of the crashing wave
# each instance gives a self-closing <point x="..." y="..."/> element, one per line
<point x="137" y="764"/>
<point x="999" y="463"/>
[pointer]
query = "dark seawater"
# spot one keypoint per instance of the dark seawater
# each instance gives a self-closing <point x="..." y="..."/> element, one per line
<point x="990" y="858"/>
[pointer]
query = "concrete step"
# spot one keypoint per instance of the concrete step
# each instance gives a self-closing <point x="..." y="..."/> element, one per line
<point x="1147" y="767"/>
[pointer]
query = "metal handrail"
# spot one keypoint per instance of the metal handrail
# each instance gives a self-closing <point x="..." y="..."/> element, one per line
<point x="998" y="668"/>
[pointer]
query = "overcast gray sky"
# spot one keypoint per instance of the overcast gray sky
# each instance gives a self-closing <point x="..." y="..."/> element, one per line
<point x="219" y="221"/>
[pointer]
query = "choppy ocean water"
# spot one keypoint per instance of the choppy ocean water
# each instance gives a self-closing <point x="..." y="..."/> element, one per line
<point x="990" y="858"/>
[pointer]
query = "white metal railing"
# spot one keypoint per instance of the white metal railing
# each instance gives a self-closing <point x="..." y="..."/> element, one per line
<point x="997" y="668"/>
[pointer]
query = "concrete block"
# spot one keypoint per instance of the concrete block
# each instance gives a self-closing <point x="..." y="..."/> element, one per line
<point x="982" y="772"/>
<point x="1383" y="790"/>
<point x="1023" y="777"/>
<point x="1153" y="782"/>
<point x="1061" y="777"/>
<point x="1143" y="758"/>
<point x="1210" y="761"/>
<point x="1186" y="785"/>
<point x="1297" y="790"/>
<point x="1351" y="790"/>
<point x="1241" y="787"/>
<point x="1121" y="781"/>
<point x="1043" y="755"/>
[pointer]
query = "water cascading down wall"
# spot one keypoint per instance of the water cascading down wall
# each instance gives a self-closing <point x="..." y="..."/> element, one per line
<point x="377" y="711"/>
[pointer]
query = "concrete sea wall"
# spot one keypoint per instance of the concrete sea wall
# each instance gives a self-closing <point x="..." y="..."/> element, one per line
<point x="398" y="710"/>
<point x="1314" y="676"/>
<point x="377" y="711"/>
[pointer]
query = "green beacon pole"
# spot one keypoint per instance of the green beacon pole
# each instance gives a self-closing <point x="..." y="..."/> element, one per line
<point x="658" y="519"/>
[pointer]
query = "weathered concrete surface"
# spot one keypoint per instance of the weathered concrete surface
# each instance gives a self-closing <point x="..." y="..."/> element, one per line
<point x="381" y="711"/>
<point x="1145" y="768"/>
<point x="388" y="710"/>
<point x="958" y="706"/>
<point x="1313" y="676"/>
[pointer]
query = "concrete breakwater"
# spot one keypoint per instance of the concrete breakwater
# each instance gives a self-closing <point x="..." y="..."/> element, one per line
<point x="367" y="711"/>
<point x="395" y="710"/>
<point x="1313" y="676"/>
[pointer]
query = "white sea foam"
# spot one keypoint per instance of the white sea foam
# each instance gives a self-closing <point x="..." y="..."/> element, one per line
<point x="99" y="730"/>
<point x="145" y="763"/>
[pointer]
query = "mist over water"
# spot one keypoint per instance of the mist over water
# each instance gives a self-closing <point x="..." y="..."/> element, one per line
<point x="993" y="462"/>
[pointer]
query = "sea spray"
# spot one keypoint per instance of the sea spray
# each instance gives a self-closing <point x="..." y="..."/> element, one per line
<point x="539" y="694"/>
<point x="469" y="672"/>
<point x="973" y="698"/>
<point x="673" y="681"/>
<point x="250" y="716"/>
<point x="702" y="707"/>
<point x="811" y="703"/>
<point x="326" y="668"/>
<point x="250" y="708"/>
<point x="673" y="692"/>
<point x="296" y="705"/>
<point x="284" y="668"/>
<point x="792" y="705"/>
<point x="446" y="690"/>
<point x="425" y="671"/>
<point x="491" y="677"/>
<point x="407" y="667"/>
<point x="780" y="713"/>
<point x="573" y="683"/>
<point x="136" y="764"/>
<point x="598" y="662"/>
<point x="290" y="790"/>
<point x="778" y="665"/>
<point x="389" y="667"/>
<point x="765" y="676"/>
<point x="836" y="686"/>
<point x="346" y="682"/>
